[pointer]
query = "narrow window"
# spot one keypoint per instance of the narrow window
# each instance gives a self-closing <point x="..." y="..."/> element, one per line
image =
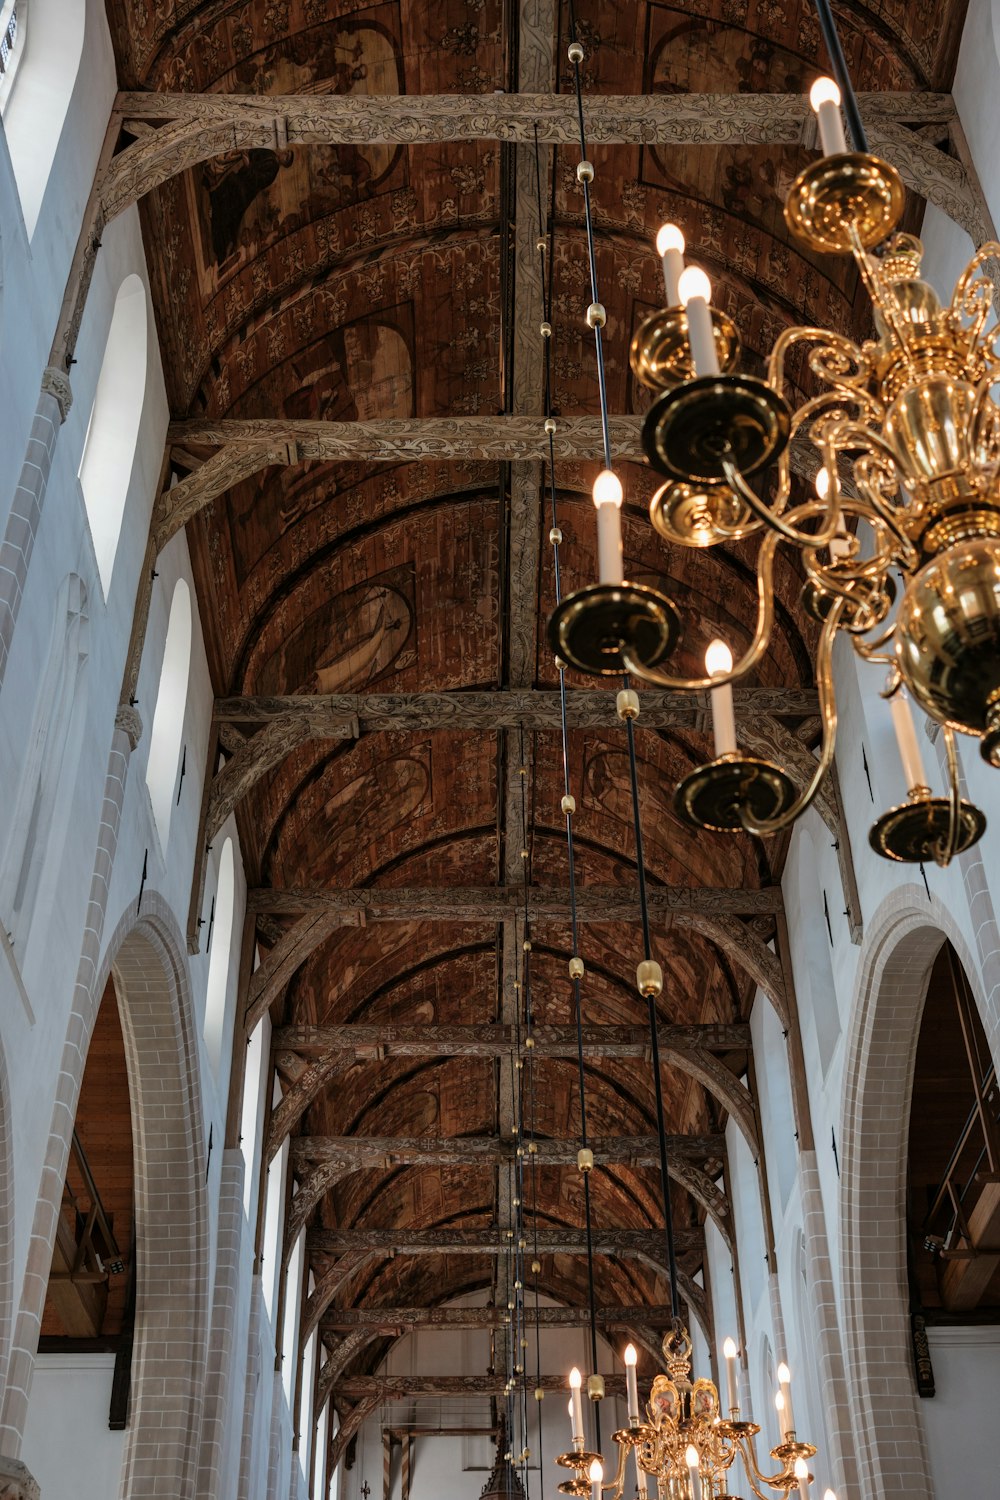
<point x="218" y="963"/>
<point x="109" y="450"/>
<point x="168" y="716"/>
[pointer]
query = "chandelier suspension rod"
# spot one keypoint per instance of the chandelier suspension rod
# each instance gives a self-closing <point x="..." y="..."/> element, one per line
<point x="841" y="73"/>
<point x="568" y="804"/>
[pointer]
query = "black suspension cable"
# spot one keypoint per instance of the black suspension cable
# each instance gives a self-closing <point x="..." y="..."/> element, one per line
<point x="838" y="62"/>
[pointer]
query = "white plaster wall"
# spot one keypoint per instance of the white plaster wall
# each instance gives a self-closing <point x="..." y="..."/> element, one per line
<point x="68" y="1446"/>
<point x="960" y="1419"/>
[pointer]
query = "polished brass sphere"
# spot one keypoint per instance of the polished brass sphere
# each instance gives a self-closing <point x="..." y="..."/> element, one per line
<point x="948" y="635"/>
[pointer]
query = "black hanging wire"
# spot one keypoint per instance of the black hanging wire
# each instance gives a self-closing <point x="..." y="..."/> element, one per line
<point x="838" y="62"/>
<point x="555" y="537"/>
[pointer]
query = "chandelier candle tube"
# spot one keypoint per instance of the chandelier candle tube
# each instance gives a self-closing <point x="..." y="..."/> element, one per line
<point x="576" y="1405"/>
<point x="608" y="496"/>
<point x="692" y="1461"/>
<point x="784" y="1424"/>
<point x="695" y="291"/>
<point x="596" y="1479"/>
<point x="840" y="545"/>
<point x="631" y="1385"/>
<point x="785" y="1381"/>
<point x="906" y="739"/>
<point x="801" y="1472"/>
<point x="719" y="661"/>
<point x="729" y="1351"/>
<point x="824" y="96"/>
<point x="670" y="249"/>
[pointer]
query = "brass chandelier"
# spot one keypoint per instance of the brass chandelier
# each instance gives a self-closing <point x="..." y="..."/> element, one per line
<point x="685" y="1443"/>
<point x="902" y="435"/>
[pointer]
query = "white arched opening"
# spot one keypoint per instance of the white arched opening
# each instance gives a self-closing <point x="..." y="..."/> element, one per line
<point x="47" y="52"/>
<point x="322" y="1442"/>
<point x="168" y="716"/>
<point x="218" y="964"/>
<point x="109" y="449"/>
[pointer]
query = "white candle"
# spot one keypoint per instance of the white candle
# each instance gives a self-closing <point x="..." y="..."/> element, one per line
<point x="691" y="1459"/>
<point x="824" y="96"/>
<point x="608" y="497"/>
<point x="670" y="249"/>
<point x="801" y="1472"/>
<point x="785" y="1381"/>
<point x="631" y="1385"/>
<point x="779" y="1406"/>
<point x="906" y="739"/>
<point x="729" y="1351"/>
<point x="719" y="661"/>
<point x="576" y="1404"/>
<point x="596" y="1479"/>
<point x="695" y="291"/>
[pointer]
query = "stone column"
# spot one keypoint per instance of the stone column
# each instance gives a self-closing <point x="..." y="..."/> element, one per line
<point x="18" y="542"/>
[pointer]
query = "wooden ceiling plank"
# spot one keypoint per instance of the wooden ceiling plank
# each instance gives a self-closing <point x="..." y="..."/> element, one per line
<point x="430" y="1040"/>
<point x="647" y="1243"/>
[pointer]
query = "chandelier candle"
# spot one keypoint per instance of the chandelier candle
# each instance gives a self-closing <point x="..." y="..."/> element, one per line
<point x="906" y="739"/>
<point x="608" y="497"/>
<point x="695" y="291"/>
<point x="785" y="1381"/>
<point x="719" y="661"/>
<point x="631" y="1385"/>
<point x="670" y="249"/>
<point x="729" y="1350"/>
<point x="840" y="546"/>
<point x="596" y="1479"/>
<point x="801" y="1472"/>
<point x="576" y="1405"/>
<point x="692" y="1461"/>
<point x="824" y="96"/>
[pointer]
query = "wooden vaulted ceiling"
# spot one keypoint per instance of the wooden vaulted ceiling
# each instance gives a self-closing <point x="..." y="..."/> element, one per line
<point x="376" y="282"/>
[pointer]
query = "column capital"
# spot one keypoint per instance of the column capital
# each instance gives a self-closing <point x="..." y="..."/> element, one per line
<point x="55" y="382"/>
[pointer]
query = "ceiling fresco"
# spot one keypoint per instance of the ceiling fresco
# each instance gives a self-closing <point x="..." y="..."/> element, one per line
<point x="347" y="283"/>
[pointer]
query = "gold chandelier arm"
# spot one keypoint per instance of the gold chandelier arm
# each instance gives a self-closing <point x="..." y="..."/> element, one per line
<point x="948" y="846"/>
<point x="757" y="1479"/>
<point x="617" y="1486"/>
<point x="753" y="653"/>
<point x="828" y="712"/>
<point x="972" y="299"/>
<point x="763" y="512"/>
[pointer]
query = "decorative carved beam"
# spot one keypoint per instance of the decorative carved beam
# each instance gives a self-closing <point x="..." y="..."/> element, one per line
<point x="339" y="1047"/>
<point x="194" y="127"/>
<point x="346" y="1155"/>
<point x="376" y="1042"/>
<point x="354" y="1152"/>
<point x="322" y="911"/>
<point x="646" y="1244"/>
<point x="397" y="1320"/>
<point x="595" y="903"/>
<point x="531" y="708"/>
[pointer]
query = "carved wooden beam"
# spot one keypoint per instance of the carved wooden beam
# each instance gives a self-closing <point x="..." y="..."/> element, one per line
<point x="337" y="1048"/>
<point x="595" y="903"/>
<point x="319" y="1177"/>
<point x="376" y="1042"/>
<point x="527" y="708"/>
<point x="355" y="1152"/>
<point x="646" y="1244"/>
<point x="191" y="128"/>
<point x="396" y="1320"/>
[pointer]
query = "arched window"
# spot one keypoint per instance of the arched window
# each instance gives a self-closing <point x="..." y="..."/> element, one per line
<point x="109" y="450"/>
<point x="12" y="44"/>
<point x="322" y="1443"/>
<point x="218" y="963"/>
<point x="290" y="1316"/>
<point x="41" y="812"/>
<point x="168" y="716"/>
<point x="306" y="1400"/>
<point x="46" y="52"/>
<point x="274" y="1215"/>
<point x="250" y="1119"/>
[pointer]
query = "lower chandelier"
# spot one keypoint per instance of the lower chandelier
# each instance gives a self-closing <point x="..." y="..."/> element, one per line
<point x="902" y="434"/>
<point x="685" y="1443"/>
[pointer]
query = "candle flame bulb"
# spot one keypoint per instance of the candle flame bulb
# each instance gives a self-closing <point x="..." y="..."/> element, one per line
<point x="575" y="1379"/>
<point x="829" y="1495"/>
<point x="596" y="1471"/>
<point x="631" y="1358"/>
<point x="608" y="488"/>
<point x="719" y="661"/>
<point x="669" y="237"/>
<point x="779" y="1402"/>
<point x="824" y="91"/>
<point x="822" y="483"/>
<point x="824" y="96"/>
<point x="784" y="1374"/>
<point x="729" y="1347"/>
<point x="694" y="283"/>
<point x="801" y="1469"/>
<point x="691" y="1456"/>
